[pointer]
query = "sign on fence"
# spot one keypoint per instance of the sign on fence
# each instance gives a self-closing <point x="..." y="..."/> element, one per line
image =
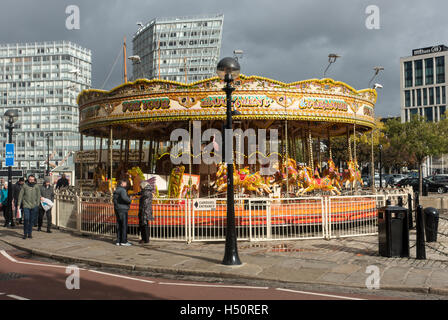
<point x="204" y="204"/>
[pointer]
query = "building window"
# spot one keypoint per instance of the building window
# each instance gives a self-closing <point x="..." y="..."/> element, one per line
<point x="414" y="111"/>
<point x="437" y="95"/>
<point x="419" y="97"/>
<point x="443" y="95"/>
<point x="431" y="96"/>
<point x="442" y="110"/>
<point x="429" y="71"/>
<point x="428" y="114"/>
<point x="440" y="69"/>
<point x="407" y="98"/>
<point x="425" y="97"/>
<point x="408" y="74"/>
<point x="418" y="65"/>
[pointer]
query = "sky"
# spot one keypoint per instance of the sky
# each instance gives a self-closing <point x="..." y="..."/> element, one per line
<point x="286" y="40"/>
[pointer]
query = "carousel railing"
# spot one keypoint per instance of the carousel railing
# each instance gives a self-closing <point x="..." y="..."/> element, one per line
<point x="256" y="219"/>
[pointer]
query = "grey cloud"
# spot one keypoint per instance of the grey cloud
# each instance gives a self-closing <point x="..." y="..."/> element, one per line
<point x="284" y="40"/>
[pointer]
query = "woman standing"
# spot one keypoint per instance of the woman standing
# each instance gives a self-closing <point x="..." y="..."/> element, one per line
<point x="145" y="208"/>
<point x="4" y="203"/>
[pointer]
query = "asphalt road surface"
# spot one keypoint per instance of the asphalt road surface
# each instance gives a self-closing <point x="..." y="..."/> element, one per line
<point x="25" y="279"/>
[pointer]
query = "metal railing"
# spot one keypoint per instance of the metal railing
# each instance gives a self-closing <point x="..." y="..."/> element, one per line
<point x="256" y="219"/>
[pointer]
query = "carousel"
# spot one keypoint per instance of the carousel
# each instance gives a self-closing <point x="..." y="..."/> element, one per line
<point x="132" y="125"/>
<point x="136" y="120"/>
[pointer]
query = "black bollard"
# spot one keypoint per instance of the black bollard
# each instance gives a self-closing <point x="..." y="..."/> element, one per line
<point x="421" y="252"/>
<point x="410" y="212"/>
<point x="400" y="201"/>
<point x="417" y="199"/>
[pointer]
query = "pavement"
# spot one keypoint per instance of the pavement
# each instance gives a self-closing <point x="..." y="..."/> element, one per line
<point x="339" y="262"/>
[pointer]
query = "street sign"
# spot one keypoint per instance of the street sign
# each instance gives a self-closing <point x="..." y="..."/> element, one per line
<point x="204" y="204"/>
<point x="15" y="173"/>
<point x="9" y="155"/>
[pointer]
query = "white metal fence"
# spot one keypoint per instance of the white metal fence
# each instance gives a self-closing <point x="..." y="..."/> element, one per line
<point x="256" y="219"/>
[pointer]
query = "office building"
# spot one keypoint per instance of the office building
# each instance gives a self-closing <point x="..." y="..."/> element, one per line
<point x="183" y="49"/>
<point x="42" y="80"/>
<point x="423" y="83"/>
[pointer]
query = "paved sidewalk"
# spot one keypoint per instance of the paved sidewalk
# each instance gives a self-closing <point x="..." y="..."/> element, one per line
<point x="340" y="262"/>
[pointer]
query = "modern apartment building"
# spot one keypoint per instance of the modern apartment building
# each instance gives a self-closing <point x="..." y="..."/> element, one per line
<point x="184" y="49"/>
<point x="423" y="83"/>
<point x="42" y="80"/>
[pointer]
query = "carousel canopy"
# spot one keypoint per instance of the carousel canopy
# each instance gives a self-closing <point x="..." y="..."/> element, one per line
<point x="147" y="109"/>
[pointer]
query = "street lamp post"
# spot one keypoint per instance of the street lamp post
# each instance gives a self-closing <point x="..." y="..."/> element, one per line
<point x="11" y="116"/>
<point x="228" y="69"/>
<point x="381" y="165"/>
<point x="331" y="59"/>
<point x="48" y="154"/>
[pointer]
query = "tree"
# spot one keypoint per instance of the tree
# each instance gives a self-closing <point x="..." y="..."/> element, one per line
<point x="419" y="139"/>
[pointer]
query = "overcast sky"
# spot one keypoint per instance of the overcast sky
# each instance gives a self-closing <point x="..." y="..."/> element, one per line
<point x="287" y="40"/>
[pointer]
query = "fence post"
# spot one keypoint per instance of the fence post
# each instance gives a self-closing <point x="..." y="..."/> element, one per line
<point x="327" y="217"/>
<point x="189" y="208"/>
<point x="250" y="219"/>
<point x="269" y="220"/>
<point x="78" y="212"/>
<point x="57" y="210"/>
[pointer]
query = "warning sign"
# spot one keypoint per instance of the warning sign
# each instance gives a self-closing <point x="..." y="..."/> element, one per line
<point x="204" y="204"/>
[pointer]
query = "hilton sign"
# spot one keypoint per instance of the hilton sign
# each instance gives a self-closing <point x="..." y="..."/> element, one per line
<point x="427" y="50"/>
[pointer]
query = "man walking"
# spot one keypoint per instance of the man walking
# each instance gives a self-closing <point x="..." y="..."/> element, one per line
<point x="15" y="196"/>
<point x="29" y="198"/>
<point x="122" y="203"/>
<point x="62" y="182"/>
<point x="47" y="192"/>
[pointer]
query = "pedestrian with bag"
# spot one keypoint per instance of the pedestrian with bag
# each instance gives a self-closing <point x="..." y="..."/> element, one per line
<point x="47" y="193"/>
<point x="145" y="208"/>
<point x="18" y="211"/>
<point x="122" y="204"/>
<point x="29" y="198"/>
<point x="4" y="203"/>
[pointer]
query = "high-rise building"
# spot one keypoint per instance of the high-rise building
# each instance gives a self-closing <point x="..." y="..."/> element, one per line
<point x="423" y="83"/>
<point x="42" y="80"/>
<point x="184" y="49"/>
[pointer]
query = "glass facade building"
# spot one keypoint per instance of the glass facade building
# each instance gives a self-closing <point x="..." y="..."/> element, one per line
<point x="423" y="83"/>
<point x="183" y="49"/>
<point x="42" y="80"/>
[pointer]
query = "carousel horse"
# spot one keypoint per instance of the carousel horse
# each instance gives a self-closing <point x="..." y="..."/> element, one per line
<point x="244" y="179"/>
<point x="332" y="172"/>
<point x="101" y="182"/>
<point x="352" y="175"/>
<point x="310" y="183"/>
<point x="188" y="192"/>
<point x="137" y="177"/>
<point x="252" y="182"/>
<point x="289" y="169"/>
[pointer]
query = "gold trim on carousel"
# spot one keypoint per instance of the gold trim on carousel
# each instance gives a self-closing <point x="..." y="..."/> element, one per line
<point x="245" y="79"/>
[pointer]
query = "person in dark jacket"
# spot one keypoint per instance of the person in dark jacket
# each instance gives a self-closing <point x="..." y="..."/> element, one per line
<point x="4" y="203"/>
<point x="145" y="210"/>
<point x="47" y="192"/>
<point x="62" y="182"/>
<point x="29" y="197"/>
<point x="15" y="196"/>
<point x="122" y="203"/>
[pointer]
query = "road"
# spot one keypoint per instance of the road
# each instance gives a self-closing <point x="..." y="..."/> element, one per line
<point x="25" y="279"/>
